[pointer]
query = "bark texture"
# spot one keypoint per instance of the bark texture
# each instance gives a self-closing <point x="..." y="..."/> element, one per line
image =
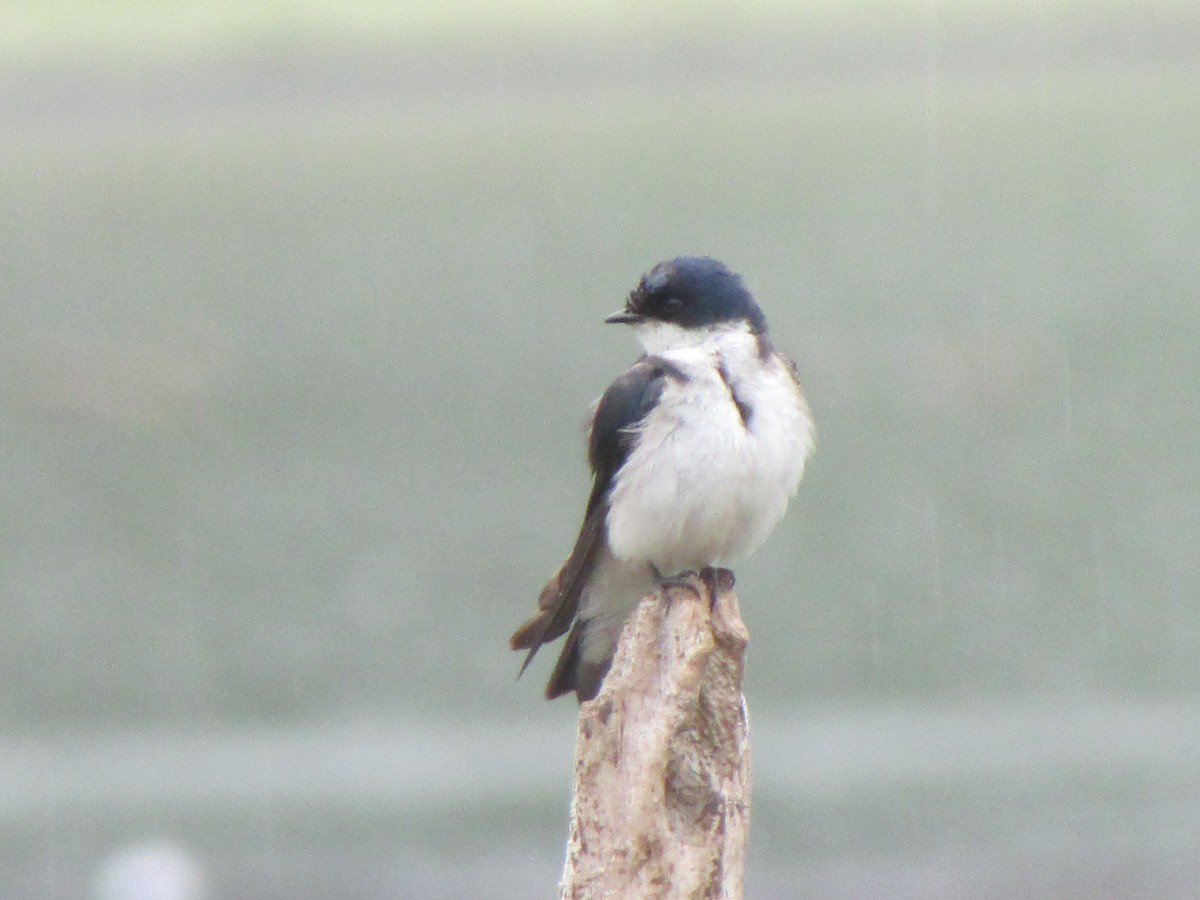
<point x="661" y="804"/>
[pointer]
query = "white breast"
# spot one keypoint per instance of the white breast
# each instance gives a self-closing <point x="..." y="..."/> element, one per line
<point x="701" y="487"/>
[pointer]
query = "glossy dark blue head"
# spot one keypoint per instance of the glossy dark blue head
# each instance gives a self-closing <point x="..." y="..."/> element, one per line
<point x="691" y="292"/>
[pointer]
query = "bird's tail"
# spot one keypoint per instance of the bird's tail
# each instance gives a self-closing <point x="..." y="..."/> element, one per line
<point x="541" y="626"/>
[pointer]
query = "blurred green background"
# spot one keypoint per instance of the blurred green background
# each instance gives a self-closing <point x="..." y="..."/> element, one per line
<point x="300" y="313"/>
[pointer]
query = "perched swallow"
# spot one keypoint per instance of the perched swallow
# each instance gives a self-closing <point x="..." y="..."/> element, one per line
<point x="695" y="452"/>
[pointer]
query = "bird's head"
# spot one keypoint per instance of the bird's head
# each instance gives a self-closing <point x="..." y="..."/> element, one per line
<point x="685" y="301"/>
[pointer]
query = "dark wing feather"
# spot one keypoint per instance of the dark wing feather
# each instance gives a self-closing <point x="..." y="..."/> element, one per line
<point x="626" y="402"/>
<point x="623" y="406"/>
<point x="559" y="599"/>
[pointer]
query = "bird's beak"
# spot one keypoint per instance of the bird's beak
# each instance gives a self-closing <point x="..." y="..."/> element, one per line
<point x="623" y="317"/>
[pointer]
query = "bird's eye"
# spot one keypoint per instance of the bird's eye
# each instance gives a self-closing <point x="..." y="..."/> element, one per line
<point x="673" y="303"/>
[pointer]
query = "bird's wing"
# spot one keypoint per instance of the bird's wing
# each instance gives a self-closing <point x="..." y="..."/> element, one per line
<point x="624" y="405"/>
<point x="610" y="439"/>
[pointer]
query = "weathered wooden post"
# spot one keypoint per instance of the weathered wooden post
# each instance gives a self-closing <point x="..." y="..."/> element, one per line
<point x="661" y="803"/>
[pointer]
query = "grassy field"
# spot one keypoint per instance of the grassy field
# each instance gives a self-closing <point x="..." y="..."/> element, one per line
<point x="299" y="332"/>
<point x="156" y="29"/>
<point x="991" y="309"/>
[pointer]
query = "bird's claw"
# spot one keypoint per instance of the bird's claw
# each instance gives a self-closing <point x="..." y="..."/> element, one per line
<point x="713" y="579"/>
<point x="685" y="580"/>
<point x="716" y="580"/>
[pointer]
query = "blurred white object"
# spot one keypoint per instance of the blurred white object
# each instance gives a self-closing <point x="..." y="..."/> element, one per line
<point x="156" y="870"/>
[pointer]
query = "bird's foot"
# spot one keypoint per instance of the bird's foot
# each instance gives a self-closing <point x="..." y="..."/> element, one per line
<point x="685" y="580"/>
<point x="716" y="580"/>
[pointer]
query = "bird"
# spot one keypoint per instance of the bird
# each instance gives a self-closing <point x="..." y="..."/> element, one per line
<point x="696" y="451"/>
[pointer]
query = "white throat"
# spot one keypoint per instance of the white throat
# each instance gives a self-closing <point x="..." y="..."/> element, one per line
<point x="658" y="338"/>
